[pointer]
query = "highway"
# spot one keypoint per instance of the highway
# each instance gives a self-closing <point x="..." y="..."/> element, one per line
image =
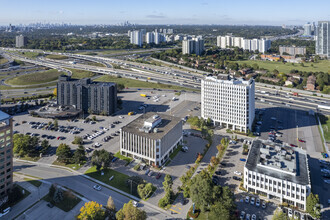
<point x="172" y="76"/>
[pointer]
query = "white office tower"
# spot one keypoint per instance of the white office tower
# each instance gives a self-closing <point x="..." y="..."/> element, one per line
<point x="254" y="44"/>
<point x="187" y="47"/>
<point x="322" y="46"/>
<point x="150" y="37"/>
<point x="229" y="102"/>
<point x="308" y="29"/>
<point x="136" y="38"/>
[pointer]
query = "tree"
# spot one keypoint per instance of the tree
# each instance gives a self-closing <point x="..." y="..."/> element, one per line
<point x="44" y="145"/>
<point x="94" y="118"/>
<point x="55" y="92"/>
<point x="58" y="195"/>
<point x="92" y="211"/>
<point x="101" y="158"/>
<point x="313" y="205"/>
<point x="25" y="144"/>
<point x="168" y="182"/>
<point x="201" y="188"/>
<point x="63" y="153"/>
<point x="79" y="155"/>
<point x="279" y="215"/>
<point x="78" y="140"/>
<point x="111" y="208"/>
<point x="55" y="124"/>
<point x="129" y="212"/>
<point x="144" y="190"/>
<point x="111" y="205"/>
<point x="214" y="161"/>
<point x="120" y="87"/>
<point x="218" y="211"/>
<point x="163" y="202"/>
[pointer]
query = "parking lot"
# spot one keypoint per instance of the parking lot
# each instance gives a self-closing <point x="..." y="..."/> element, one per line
<point x="294" y="127"/>
<point x="104" y="132"/>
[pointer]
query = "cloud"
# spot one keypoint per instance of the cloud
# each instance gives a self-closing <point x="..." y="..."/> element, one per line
<point x="160" y="16"/>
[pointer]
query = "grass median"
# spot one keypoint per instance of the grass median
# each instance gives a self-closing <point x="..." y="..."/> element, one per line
<point x="133" y="83"/>
<point x="118" y="181"/>
<point x="80" y="74"/>
<point x="56" y="57"/>
<point x="67" y="204"/>
<point x="34" y="182"/>
<point x="35" y="78"/>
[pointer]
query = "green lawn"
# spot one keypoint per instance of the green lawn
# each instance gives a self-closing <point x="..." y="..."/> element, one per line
<point x="94" y="63"/>
<point x="31" y="55"/>
<point x="70" y="165"/>
<point x="325" y="122"/>
<point x="79" y="74"/>
<point x="35" y="78"/>
<point x="56" y="57"/>
<point x="119" y="180"/>
<point x="121" y="157"/>
<point x="26" y="194"/>
<point x="68" y="203"/>
<point x="28" y="87"/>
<point x="29" y="158"/>
<point x="3" y="60"/>
<point x="132" y="83"/>
<point x="34" y="182"/>
<point x="321" y="66"/>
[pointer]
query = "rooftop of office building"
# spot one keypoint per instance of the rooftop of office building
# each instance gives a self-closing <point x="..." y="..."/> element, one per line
<point x="282" y="162"/>
<point x="84" y="81"/>
<point x="226" y="79"/>
<point x="4" y="116"/>
<point x="152" y="125"/>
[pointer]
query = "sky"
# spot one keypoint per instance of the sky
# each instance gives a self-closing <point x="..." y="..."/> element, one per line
<point x="223" y="12"/>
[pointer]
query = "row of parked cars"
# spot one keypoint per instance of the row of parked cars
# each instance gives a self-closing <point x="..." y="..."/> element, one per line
<point x="325" y="170"/>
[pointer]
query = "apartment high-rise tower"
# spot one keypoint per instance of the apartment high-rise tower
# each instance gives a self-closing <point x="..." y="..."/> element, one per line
<point x="322" y="46"/>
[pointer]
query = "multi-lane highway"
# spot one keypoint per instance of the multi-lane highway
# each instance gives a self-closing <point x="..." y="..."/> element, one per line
<point x="167" y="75"/>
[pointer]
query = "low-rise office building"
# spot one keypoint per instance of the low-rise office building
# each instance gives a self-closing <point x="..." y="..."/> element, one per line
<point x="151" y="138"/>
<point x="278" y="172"/>
<point x="6" y="156"/>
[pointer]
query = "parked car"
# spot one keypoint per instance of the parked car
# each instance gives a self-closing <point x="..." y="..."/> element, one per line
<point x="237" y="173"/>
<point x="135" y="203"/>
<point x="258" y="202"/>
<point x="254" y="217"/>
<point x="114" y="159"/>
<point x="247" y="216"/>
<point x="242" y="215"/>
<point x="300" y="140"/>
<point x="252" y="200"/>
<point x="237" y="178"/>
<point x="242" y="159"/>
<point x="147" y="171"/>
<point x="97" y="187"/>
<point x="150" y="173"/>
<point x="290" y="213"/>
<point x="264" y="205"/>
<point x="247" y="199"/>
<point x="5" y="211"/>
<point x="158" y="175"/>
<point x="50" y="205"/>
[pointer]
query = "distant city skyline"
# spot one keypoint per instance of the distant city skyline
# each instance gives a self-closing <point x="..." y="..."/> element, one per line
<point x="237" y="12"/>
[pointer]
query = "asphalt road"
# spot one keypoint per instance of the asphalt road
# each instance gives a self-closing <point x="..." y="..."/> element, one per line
<point x="81" y="185"/>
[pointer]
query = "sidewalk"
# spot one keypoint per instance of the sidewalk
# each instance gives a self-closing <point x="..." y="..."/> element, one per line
<point x="36" y="194"/>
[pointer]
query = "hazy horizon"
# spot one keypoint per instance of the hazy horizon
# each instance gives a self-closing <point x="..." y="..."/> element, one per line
<point x="201" y="12"/>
